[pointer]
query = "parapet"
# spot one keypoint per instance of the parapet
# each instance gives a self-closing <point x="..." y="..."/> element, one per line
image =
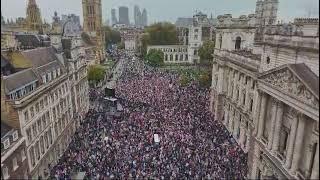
<point x="306" y="21"/>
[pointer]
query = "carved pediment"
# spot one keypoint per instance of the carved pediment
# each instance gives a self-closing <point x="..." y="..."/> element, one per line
<point x="286" y="81"/>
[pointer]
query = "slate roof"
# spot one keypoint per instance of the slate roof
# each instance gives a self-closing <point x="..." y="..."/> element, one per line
<point x="40" y="56"/>
<point x="4" y="61"/>
<point x="19" y="79"/>
<point x="28" y="40"/>
<point x="4" y="129"/>
<point x="184" y="22"/>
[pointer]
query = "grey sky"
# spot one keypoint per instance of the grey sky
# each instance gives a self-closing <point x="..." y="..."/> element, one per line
<point x="164" y="10"/>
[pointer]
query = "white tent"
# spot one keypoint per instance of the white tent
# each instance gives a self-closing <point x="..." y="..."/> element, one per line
<point x="156" y="138"/>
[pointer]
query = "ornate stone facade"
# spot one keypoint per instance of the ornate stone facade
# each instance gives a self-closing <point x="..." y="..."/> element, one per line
<point x="92" y="24"/>
<point x="268" y="99"/>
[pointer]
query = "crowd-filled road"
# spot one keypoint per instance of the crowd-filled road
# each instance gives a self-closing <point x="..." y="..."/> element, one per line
<point x="192" y="144"/>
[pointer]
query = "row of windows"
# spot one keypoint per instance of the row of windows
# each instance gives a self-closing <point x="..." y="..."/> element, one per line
<point x="51" y="75"/>
<point x="40" y="147"/>
<point x="173" y="50"/>
<point x="42" y="103"/>
<point x="15" y="165"/>
<point x="22" y="91"/>
<point x="177" y="57"/>
<point x="62" y="123"/>
<point x="38" y="126"/>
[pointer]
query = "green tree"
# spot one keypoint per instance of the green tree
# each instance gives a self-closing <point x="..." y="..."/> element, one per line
<point x="162" y="33"/>
<point x="155" y="58"/>
<point x="205" y="52"/>
<point x="205" y="79"/>
<point x="184" y="79"/>
<point x="111" y="36"/>
<point x="96" y="73"/>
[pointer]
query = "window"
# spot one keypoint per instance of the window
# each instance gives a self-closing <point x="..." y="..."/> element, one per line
<point x="5" y="172"/>
<point x="196" y="30"/>
<point x="54" y="74"/>
<point x="37" y="150"/>
<point x="32" y="112"/>
<point x="238" y="43"/>
<point x="6" y="143"/>
<point x="220" y="40"/>
<point x="46" y="100"/>
<point x="32" y="158"/>
<point x="37" y="107"/>
<point x="196" y="37"/>
<point x="39" y="125"/>
<point x="283" y="141"/>
<point x="41" y="145"/>
<point x="34" y="129"/>
<point x="29" y="136"/>
<point x="15" y="135"/>
<point x="23" y="155"/>
<point x="41" y="104"/>
<point x="243" y="98"/>
<point x="26" y="116"/>
<point x="14" y="163"/>
<point x="268" y="60"/>
<point x="251" y="105"/>
<point x="44" y="79"/>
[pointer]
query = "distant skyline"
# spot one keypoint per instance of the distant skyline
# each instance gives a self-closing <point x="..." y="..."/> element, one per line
<point x="163" y="10"/>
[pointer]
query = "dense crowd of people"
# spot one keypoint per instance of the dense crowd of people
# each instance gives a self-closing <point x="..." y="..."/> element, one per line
<point x="192" y="145"/>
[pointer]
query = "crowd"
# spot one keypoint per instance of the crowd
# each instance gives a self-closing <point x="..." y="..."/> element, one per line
<point x="192" y="145"/>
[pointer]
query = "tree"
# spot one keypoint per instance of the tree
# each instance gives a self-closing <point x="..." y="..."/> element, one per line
<point x="205" y="79"/>
<point x="184" y="79"/>
<point x="162" y="33"/>
<point x="96" y="73"/>
<point x="155" y="58"/>
<point x="205" y="52"/>
<point x="111" y="36"/>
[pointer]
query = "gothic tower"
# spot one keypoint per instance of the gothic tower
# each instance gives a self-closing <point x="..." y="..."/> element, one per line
<point x="92" y="24"/>
<point x="266" y="12"/>
<point x="33" y="19"/>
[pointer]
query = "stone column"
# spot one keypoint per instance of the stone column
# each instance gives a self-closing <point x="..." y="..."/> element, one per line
<point x="277" y="128"/>
<point x="246" y="103"/>
<point x="230" y="125"/>
<point x="235" y="87"/>
<point x="226" y="117"/>
<point x="315" y="169"/>
<point x="230" y="83"/>
<point x="236" y="125"/>
<point x="298" y="145"/>
<point x="242" y="135"/>
<point x="292" y="137"/>
<point x="256" y="112"/>
<point x="262" y="115"/>
<point x="273" y="122"/>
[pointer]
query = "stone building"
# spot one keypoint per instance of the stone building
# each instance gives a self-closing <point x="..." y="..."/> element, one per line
<point x="14" y="164"/>
<point x="266" y="93"/>
<point x="92" y="24"/>
<point x="192" y="33"/>
<point x="45" y="98"/>
<point x="173" y="53"/>
<point x="33" y="18"/>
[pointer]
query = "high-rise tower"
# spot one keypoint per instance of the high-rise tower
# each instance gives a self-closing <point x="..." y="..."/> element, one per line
<point x="144" y="17"/>
<point x="114" y="19"/>
<point x="92" y="24"/>
<point x="266" y="12"/>
<point x="33" y="19"/>
<point x="124" y="15"/>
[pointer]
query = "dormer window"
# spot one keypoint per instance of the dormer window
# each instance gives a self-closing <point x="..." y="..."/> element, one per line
<point x="15" y="135"/>
<point x="58" y="71"/>
<point x="44" y="79"/>
<point x="6" y="143"/>
<point x="54" y="74"/>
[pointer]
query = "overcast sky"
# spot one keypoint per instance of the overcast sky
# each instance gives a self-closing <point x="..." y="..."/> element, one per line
<point x="164" y="10"/>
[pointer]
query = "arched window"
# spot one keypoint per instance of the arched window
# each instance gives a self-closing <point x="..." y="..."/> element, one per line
<point x="166" y="57"/>
<point x="181" y="57"/>
<point x="195" y="52"/>
<point x="171" y="57"/>
<point x="176" y="57"/>
<point x="220" y="41"/>
<point x="238" y="43"/>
